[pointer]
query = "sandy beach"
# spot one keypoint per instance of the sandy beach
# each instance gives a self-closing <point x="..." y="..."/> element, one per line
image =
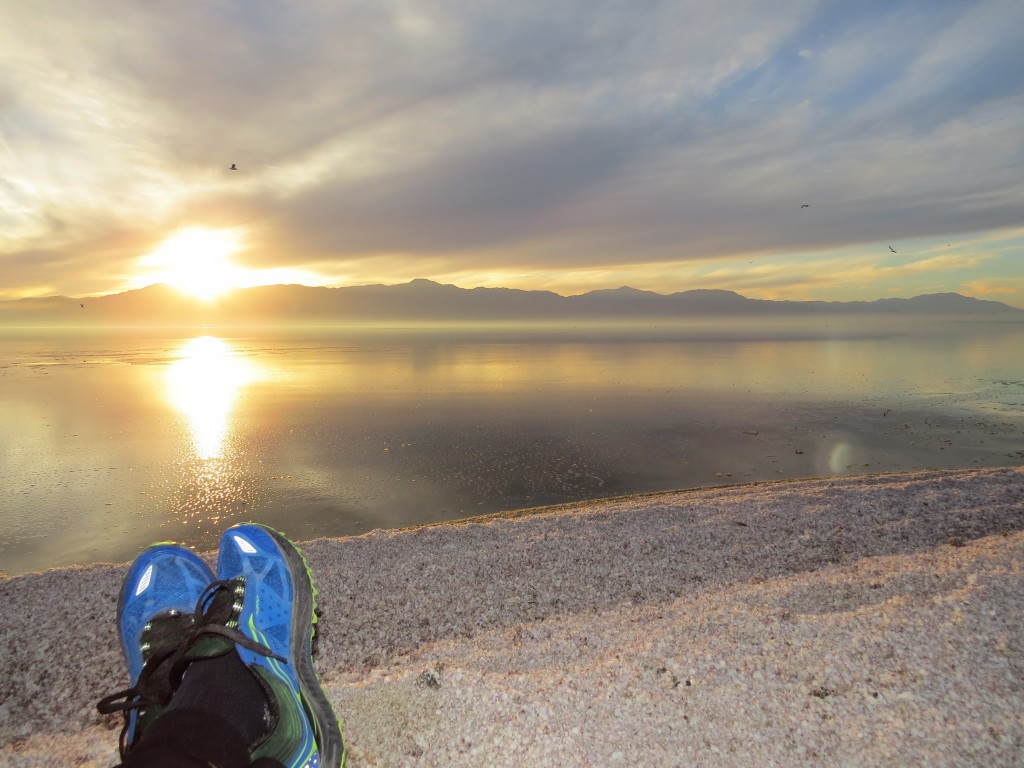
<point x="868" y="621"/>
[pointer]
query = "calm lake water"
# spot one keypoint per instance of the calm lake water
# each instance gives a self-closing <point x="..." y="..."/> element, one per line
<point x="112" y="440"/>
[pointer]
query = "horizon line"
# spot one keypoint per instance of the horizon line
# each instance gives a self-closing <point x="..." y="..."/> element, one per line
<point x="500" y="288"/>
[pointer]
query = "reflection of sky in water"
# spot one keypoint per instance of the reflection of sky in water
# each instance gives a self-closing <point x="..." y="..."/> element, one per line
<point x="108" y="444"/>
<point x="203" y="384"/>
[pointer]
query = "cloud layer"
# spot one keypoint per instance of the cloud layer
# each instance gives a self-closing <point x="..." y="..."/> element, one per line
<point x="571" y="145"/>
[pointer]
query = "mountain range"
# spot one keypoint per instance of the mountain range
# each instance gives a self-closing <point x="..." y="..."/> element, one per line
<point x="427" y="301"/>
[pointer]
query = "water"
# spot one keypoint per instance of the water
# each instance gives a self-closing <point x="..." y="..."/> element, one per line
<point x="110" y="441"/>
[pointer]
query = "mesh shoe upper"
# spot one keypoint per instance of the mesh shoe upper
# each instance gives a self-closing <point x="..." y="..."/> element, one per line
<point x="267" y="612"/>
<point x="278" y="612"/>
<point x="164" y="578"/>
<point x="160" y="589"/>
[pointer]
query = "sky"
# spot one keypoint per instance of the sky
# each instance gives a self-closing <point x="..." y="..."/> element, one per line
<point x="568" y="146"/>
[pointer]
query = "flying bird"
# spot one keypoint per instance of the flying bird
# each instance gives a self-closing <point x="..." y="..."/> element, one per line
<point x="892" y="249"/>
<point x="82" y="306"/>
<point x="806" y="205"/>
<point x="233" y="167"/>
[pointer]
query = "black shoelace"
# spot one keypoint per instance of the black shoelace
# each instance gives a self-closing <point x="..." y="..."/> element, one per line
<point x="167" y="641"/>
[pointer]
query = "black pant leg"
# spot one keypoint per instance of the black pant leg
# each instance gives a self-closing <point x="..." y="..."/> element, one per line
<point x="189" y="738"/>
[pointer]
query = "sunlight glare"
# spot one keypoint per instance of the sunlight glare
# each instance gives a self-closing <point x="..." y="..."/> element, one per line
<point x="197" y="261"/>
<point x="203" y="384"/>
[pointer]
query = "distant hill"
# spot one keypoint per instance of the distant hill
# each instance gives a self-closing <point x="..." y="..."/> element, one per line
<point x="427" y="301"/>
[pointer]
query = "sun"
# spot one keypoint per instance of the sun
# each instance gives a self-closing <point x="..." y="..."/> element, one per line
<point x="197" y="261"/>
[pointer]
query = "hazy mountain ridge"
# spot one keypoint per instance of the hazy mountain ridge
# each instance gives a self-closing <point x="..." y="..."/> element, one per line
<point x="425" y="300"/>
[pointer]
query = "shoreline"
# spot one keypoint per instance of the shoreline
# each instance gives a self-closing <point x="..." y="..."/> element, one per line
<point x="866" y="620"/>
<point x="630" y="498"/>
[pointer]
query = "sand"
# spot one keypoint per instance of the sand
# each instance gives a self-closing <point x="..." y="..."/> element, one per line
<point x="871" y="621"/>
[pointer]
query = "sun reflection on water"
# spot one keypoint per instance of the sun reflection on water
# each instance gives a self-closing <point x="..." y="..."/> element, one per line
<point x="203" y="384"/>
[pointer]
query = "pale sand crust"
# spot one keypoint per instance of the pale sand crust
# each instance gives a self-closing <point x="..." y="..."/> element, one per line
<point x="857" y="621"/>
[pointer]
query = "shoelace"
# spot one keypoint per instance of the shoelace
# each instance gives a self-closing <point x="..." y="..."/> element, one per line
<point x="215" y="615"/>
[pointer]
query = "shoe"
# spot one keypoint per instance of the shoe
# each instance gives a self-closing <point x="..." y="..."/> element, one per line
<point x="277" y="613"/>
<point x="158" y="595"/>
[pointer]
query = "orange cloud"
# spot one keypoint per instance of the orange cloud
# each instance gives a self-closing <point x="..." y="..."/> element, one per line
<point x="1006" y="286"/>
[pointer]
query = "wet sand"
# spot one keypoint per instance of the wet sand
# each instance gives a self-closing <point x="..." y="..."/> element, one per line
<point x="853" y="621"/>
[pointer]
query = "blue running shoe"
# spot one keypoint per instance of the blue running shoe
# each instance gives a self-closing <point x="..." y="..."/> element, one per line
<point x="158" y="596"/>
<point x="278" y="614"/>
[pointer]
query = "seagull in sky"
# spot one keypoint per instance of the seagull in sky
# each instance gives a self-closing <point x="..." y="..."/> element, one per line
<point x="233" y="167"/>
<point x="806" y="205"/>
<point x="892" y="249"/>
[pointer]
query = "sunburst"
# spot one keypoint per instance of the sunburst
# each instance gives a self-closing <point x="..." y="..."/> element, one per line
<point x="197" y="262"/>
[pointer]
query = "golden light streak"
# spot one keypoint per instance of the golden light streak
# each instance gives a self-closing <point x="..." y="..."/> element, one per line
<point x="203" y="384"/>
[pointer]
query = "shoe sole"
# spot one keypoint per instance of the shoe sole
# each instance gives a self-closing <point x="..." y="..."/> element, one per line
<point x="326" y="726"/>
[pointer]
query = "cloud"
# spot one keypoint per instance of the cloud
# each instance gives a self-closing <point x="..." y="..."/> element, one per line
<point x="399" y="139"/>
<point x="937" y="263"/>
<point x="1004" y="288"/>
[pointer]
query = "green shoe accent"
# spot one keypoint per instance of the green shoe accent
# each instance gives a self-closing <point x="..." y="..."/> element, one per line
<point x="280" y="612"/>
